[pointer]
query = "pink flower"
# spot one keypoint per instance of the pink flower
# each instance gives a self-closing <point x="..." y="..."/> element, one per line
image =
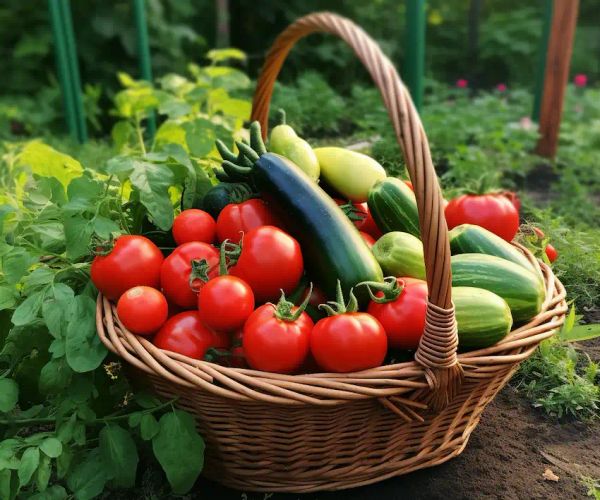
<point x="501" y="87"/>
<point x="461" y="83"/>
<point x="526" y="123"/>
<point x="580" y="80"/>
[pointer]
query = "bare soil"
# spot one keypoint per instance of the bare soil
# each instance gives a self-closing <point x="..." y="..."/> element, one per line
<point x="505" y="459"/>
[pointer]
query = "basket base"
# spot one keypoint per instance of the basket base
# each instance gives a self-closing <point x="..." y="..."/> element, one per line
<point x="251" y="447"/>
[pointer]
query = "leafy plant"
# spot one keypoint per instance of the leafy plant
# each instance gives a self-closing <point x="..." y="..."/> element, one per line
<point x="70" y="421"/>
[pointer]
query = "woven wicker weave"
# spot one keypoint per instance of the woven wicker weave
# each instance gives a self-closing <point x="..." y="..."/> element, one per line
<point x="269" y="432"/>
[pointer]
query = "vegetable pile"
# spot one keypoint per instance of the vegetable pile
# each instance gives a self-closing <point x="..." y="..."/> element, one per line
<point x="302" y="260"/>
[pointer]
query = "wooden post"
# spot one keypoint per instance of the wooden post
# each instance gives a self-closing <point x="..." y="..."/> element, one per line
<point x="560" y="47"/>
<point x="415" y="49"/>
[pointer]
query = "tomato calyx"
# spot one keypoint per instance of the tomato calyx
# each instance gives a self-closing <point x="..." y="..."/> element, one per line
<point x="102" y="246"/>
<point x="336" y="307"/>
<point x="214" y="354"/>
<point x="230" y="254"/>
<point x="391" y="289"/>
<point x="352" y="212"/>
<point x="284" y="308"/>
<point x="200" y="270"/>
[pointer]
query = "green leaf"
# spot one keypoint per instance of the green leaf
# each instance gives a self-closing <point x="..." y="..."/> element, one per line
<point x="153" y="182"/>
<point x="9" y="394"/>
<point x="148" y="427"/>
<point x="121" y="166"/>
<point x="177" y="432"/>
<point x="134" y="419"/>
<point x="5" y="210"/>
<point x="63" y="462"/>
<point x="89" y="476"/>
<point x="16" y="263"/>
<point x="29" y="463"/>
<point x="174" y="108"/>
<point x="83" y="348"/>
<point x="52" y="447"/>
<point x="237" y="108"/>
<point x="56" y="315"/>
<point x="39" y="277"/>
<point x="78" y="234"/>
<point x="200" y="136"/>
<point x="55" y="492"/>
<point x="122" y="133"/>
<point x="55" y="376"/>
<point x="83" y="193"/>
<point x="581" y="332"/>
<point x="8" y="297"/>
<point x="120" y="454"/>
<point x="219" y="55"/>
<point x="43" y="473"/>
<point x="104" y="227"/>
<point x="45" y="161"/>
<point x="28" y="310"/>
<point x="62" y="292"/>
<point x="5" y="484"/>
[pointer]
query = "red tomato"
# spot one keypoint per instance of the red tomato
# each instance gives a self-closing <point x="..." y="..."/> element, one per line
<point x="369" y="240"/>
<point x="276" y="345"/>
<point x="194" y="225"/>
<point x="270" y="261"/>
<point x="539" y="233"/>
<point x="239" y="218"/>
<point x="133" y="261"/>
<point x="551" y="253"/>
<point x="185" y="334"/>
<point x="491" y="211"/>
<point x="225" y="302"/>
<point x="361" y="217"/>
<point x="177" y="270"/>
<point x="403" y="319"/>
<point x="513" y="198"/>
<point x="348" y="342"/>
<point x="142" y="310"/>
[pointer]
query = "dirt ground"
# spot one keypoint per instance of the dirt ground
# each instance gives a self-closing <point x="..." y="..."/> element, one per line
<point x="505" y="459"/>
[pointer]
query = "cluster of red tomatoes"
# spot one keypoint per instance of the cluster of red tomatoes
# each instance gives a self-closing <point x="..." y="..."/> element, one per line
<point x="227" y="304"/>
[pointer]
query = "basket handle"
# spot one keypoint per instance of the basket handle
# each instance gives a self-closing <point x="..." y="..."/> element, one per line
<point x="437" y="349"/>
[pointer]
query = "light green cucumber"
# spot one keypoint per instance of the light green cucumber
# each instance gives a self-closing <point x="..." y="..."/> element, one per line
<point x="400" y="254"/>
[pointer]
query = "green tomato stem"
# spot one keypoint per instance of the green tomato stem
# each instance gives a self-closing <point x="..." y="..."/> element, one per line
<point x="390" y="288"/>
<point x="283" y="309"/>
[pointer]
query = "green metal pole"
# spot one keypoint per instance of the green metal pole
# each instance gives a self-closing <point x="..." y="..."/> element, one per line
<point x="143" y="48"/>
<point x="541" y="66"/>
<point x="62" y="65"/>
<point x="415" y="49"/>
<point x="67" y="20"/>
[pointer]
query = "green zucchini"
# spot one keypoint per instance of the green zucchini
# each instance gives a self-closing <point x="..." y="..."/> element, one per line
<point x="332" y="247"/>
<point x="221" y="195"/>
<point x="522" y="289"/>
<point x="400" y="254"/>
<point x="394" y="207"/>
<point x="469" y="238"/>
<point x="483" y="318"/>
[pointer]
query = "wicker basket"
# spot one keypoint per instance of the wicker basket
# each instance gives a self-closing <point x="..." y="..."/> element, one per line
<point x="301" y="433"/>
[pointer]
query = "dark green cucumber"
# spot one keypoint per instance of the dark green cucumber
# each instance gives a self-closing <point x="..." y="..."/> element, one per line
<point x="394" y="207"/>
<point x="523" y="290"/>
<point x="483" y="318"/>
<point x="469" y="238"/>
<point x="331" y="246"/>
<point x="221" y="195"/>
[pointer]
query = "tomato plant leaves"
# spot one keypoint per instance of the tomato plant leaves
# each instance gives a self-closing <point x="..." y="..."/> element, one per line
<point x="78" y="232"/>
<point x="83" y="348"/>
<point x="89" y="476"/>
<point x="28" y="465"/>
<point x="28" y="310"/>
<point x="120" y="454"/>
<point x="148" y="427"/>
<point x="54" y="376"/>
<point x="16" y="263"/>
<point x="52" y="447"/>
<point x="9" y="394"/>
<point x="177" y="431"/>
<point x="153" y="182"/>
